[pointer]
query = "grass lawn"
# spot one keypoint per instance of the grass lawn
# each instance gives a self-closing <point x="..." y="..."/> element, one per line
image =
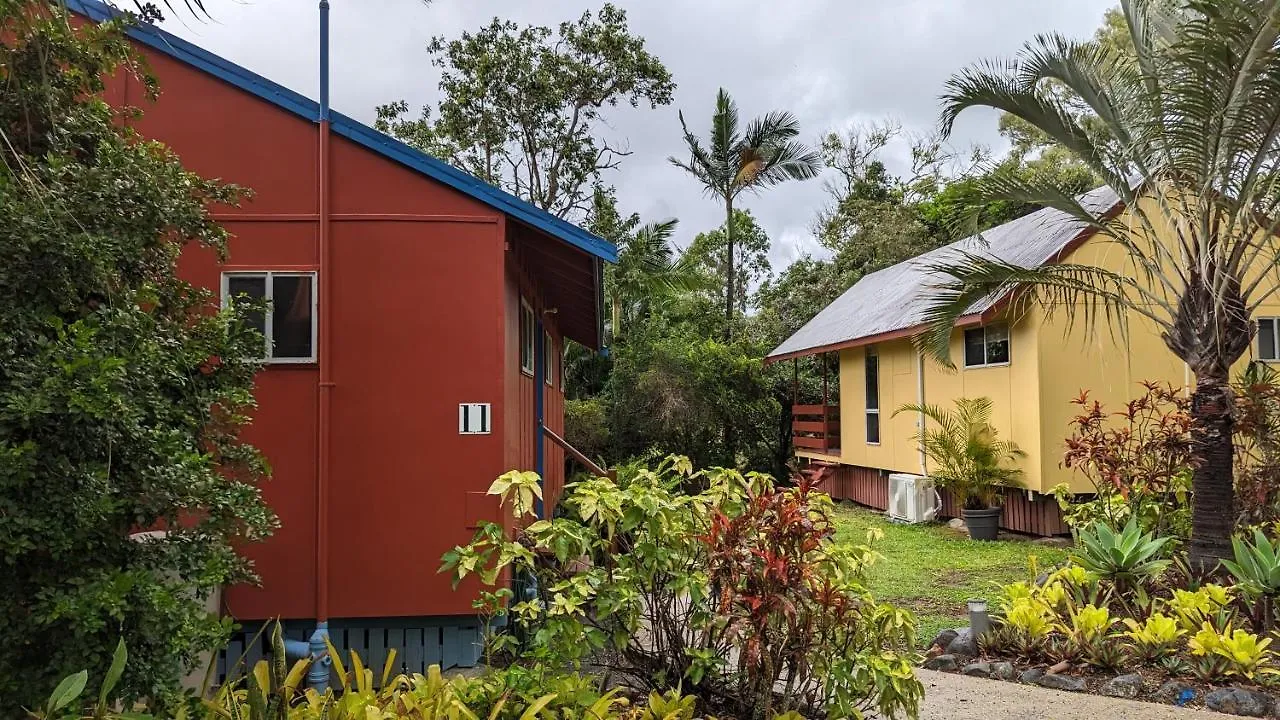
<point x="932" y="570"/>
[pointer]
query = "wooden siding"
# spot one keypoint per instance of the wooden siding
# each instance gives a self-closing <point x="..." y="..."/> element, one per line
<point x="419" y="643"/>
<point x="1038" y="515"/>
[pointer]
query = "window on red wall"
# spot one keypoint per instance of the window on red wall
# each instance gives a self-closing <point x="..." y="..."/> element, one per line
<point x="549" y="358"/>
<point x="288" y="326"/>
<point x="527" y="331"/>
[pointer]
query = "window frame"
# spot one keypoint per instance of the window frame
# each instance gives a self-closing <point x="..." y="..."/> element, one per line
<point x="868" y="353"/>
<point x="268" y="324"/>
<point x="1008" y="339"/>
<point x="1275" y="339"/>
<point x="526" y="346"/>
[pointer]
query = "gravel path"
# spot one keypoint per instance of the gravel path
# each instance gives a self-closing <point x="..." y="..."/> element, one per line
<point x="949" y="696"/>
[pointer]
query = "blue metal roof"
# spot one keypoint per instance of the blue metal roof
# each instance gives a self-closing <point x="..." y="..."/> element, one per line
<point x="359" y="133"/>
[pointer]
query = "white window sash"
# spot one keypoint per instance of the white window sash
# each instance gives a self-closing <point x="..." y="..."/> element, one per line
<point x="268" y="321"/>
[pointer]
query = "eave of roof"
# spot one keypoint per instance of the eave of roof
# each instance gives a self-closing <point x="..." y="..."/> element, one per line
<point x="357" y="132"/>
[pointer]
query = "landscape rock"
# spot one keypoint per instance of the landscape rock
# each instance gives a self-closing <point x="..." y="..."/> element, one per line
<point x="945" y="663"/>
<point x="963" y="644"/>
<point x="1123" y="686"/>
<point x="1172" y="693"/>
<point x="1031" y="676"/>
<point x="978" y="669"/>
<point x="1003" y="671"/>
<point x="956" y="523"/>
<point x="1070" y="683"/>
<point x="944" y="639"/>
<point x="1240" y="701"/>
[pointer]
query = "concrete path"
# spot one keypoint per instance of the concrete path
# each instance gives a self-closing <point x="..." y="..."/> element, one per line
<point x="949" y="696"/>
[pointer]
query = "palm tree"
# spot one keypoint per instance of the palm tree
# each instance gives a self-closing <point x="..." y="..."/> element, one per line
<point x="1190" y="123"/>
<point x="733" y="160"/>
<point x="965" y="453"/>
<point x="647" y="272"/>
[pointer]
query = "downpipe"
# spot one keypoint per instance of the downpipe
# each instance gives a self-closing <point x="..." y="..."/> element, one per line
<point x="317" y="649"/>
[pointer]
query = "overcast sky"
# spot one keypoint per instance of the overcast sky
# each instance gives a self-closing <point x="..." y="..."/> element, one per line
<point x="831" y="62"/>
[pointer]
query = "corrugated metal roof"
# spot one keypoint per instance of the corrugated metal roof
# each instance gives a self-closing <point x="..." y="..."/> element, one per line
<point x="893" y="299"/>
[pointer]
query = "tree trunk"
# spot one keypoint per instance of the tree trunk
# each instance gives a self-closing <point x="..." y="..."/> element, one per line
<point x="1213" y="492"/>
<point x="728" y="269"/>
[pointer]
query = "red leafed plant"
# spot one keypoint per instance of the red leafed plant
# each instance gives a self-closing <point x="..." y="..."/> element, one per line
<point x="792" y="605"/>
<point x="1138" y="459"/>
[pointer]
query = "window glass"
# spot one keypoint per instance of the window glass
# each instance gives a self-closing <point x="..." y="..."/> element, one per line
<point x="548" y="358"/>
<point x="255" y="287"/>
<point x="974" y="348"/>
<point x="1267" y="339"/>
<point x="873" y="380"/>
<point x="997" y="339"/>
<point x="526" y="338"/>
<point x="291" y="316"/>
<point x="873" y="427"/>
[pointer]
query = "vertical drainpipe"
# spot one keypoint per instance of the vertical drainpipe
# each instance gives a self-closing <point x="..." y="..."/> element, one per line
<point x="318" y="675"/>
<point x="539" y="393"/>
<point x="924" y="469"/>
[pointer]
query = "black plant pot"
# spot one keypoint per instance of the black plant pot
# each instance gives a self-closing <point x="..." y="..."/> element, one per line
<point x="982" y="524"/>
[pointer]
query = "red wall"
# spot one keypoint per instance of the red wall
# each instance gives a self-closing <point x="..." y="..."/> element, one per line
<point x="423" y="314"/>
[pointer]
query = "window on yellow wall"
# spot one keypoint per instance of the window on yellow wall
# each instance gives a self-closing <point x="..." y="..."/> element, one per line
<point x="986" y="345"/>
<point x="1268" y="339"/>
<point x="872" y="366"/>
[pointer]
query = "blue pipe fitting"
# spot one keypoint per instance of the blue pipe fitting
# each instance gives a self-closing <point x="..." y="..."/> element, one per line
<point x="318" y="673"/>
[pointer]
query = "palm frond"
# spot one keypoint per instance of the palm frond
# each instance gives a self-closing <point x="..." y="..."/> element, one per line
<point x="966" y="279"/>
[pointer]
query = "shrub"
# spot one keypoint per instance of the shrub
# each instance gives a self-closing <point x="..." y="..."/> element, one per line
<point x="1138" y="460"/>
<point x="664" y="587"/>
<point x="122" y="390"/>
<point x="1128" y="558"/>
<point x="1257" y="444"/>
<point x="1256" y="569"/>
<point x="965" y="453"/>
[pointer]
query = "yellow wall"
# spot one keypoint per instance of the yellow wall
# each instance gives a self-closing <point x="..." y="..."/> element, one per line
<point x="1051" y="363"/>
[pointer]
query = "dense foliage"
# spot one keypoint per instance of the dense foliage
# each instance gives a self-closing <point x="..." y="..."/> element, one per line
<point x="521" y="104"/>
<point x="716" y="582"/>
<point x="121" y="391"/>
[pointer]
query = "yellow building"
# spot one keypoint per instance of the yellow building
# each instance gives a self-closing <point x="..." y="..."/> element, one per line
<point x="1030" y="365"/>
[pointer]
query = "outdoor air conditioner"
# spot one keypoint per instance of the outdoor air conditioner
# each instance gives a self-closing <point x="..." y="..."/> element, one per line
<point x="912" y="499"/>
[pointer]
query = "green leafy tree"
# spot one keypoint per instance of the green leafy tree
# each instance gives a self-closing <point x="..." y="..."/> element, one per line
<point x="709" y="251"/>
<point x="734" y="160"/>
<point x="522" y="104"/>
<point x="121" y="389"/>
<point x="1188" y="126"/>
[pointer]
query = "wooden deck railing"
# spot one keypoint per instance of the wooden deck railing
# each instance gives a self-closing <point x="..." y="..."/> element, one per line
<point x="816" y="428"/>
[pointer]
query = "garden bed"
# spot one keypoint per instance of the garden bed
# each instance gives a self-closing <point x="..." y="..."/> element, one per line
<point x="1143" y="684"/>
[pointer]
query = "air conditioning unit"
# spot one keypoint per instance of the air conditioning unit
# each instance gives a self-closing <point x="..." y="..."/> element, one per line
<point x="912" y="499"/>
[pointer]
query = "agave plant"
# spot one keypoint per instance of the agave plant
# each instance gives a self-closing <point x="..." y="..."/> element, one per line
<point x="1256" y="568"/>
<point x="1127" y="558"/>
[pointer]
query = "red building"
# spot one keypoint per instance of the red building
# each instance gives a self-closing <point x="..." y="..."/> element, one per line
<point x="414" y="342"/>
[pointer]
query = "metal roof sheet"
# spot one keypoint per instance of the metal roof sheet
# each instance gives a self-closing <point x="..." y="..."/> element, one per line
<point x="893" y="299"/>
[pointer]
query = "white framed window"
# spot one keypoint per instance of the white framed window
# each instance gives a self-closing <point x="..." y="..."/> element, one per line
<point x="1269" y="339"/>
<point x="289" y="325"/>
<point x="871" y="365"/>
<point x="527" y="330"/>
<point x="986" y="345"/>
<point x="549" y="358"/>
<point x="564" y="366"/>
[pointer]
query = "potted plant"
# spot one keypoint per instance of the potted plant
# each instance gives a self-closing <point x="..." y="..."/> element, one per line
<point x="965" y="455"/>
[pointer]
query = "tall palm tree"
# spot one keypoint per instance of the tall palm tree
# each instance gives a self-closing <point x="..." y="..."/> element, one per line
<point x="734" y="160"/>
<point x="1190" y="123"/>
<point x="647" y="272"/>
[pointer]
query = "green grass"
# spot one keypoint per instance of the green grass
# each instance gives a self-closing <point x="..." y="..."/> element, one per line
<point x="932" y="570"/>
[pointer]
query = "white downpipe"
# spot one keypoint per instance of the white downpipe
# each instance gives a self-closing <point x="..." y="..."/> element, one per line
<point x="924" y="470"/>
